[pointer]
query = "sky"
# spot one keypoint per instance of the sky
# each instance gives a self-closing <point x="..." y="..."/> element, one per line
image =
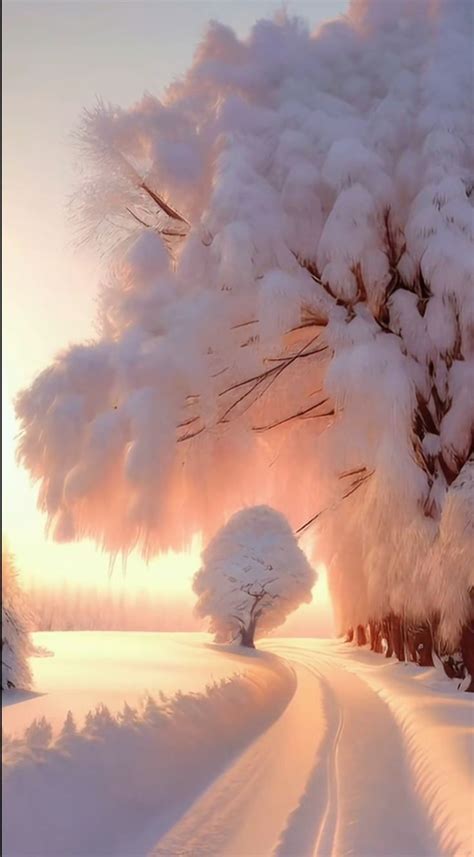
<point x="58" y="57"/>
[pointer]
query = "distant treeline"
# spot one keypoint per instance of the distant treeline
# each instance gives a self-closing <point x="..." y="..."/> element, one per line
<point x="79" y="608"/>
<point x="70" y="607"/>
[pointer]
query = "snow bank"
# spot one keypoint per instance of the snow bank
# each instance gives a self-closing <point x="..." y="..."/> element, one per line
<point x="437" y="722"/>
<point x="89" y="668"/>
<point x="94" y="791"/>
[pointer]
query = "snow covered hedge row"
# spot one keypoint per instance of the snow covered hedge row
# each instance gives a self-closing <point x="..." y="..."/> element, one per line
<point x="125" y="771"/>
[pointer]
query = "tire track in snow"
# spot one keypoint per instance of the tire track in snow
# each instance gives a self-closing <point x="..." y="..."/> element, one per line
<point x="243" y="813"/>
<point x="379" y="813"/>
<point x="311" y="821"/>
<point x="294" y="793"/>
<point x="328" y="832"/>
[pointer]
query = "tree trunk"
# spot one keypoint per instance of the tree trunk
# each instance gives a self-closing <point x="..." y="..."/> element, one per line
<point x="349" y="636"/>
<point x="377" y="643"/>
<point x="410" y="643"/>
<point x="372" y="635"/>
<point x="247" y="634"/>
<point x="376" y="637"/>
<point x="387" y="636"/>
<point x="396" y="636"/>
<point x="246" y="638"/>
<point x="435" y="635"/>
<point x="418" y="643"/>
<point x="424" y="645"/>
<point x="467" y="651"/>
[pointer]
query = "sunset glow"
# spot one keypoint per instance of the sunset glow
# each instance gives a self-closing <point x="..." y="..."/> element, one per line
<point x="238" y="428"/>
<point x="51" y="297"/>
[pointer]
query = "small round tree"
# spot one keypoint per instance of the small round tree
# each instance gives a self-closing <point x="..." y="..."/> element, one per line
<point x="16" y="641"/>
<point x="253" y="575"/>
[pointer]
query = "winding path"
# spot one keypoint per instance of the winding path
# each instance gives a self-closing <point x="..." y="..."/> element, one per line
<point x="329" y="778"/>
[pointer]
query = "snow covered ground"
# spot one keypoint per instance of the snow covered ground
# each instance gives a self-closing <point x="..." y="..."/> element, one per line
<point x="323" y="750"/>
<point x="86" y="668"/>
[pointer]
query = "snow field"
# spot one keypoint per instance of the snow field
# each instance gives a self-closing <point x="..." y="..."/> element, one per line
<point x="94" y="790"/>
<point x="304" y="748"/>
<point x="89" y="668"/>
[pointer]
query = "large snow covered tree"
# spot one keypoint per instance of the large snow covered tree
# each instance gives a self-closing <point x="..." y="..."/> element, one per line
<point x="16" y="643"/>
<point x="253" y="576"/>
<point x="289" y="317"/>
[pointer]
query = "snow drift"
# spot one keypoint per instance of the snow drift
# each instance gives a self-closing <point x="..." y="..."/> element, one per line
<point x="437" y="725"/>
<point x="95" y="791"/>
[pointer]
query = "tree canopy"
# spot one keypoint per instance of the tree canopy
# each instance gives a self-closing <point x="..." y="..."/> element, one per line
<point x="289" y="318"/>
<point x="253" y="576"/>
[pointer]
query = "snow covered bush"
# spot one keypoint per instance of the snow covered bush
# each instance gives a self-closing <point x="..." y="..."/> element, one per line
<point x="290" y="319"/>
<point x="16" y="642"/>
<point x="252" y="577"/>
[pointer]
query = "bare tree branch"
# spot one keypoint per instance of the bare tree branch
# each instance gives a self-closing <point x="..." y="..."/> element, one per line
<point x="298" y="415"/>
<point x="346" y="494"/>
<point x="190" y="435"/>
<point x="161" y="203"/>
<point x="271" y="374"/>
<point x="138" y="219"/>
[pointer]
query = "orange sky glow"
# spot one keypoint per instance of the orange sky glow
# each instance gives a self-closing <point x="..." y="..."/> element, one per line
<point x="50" y="284"/>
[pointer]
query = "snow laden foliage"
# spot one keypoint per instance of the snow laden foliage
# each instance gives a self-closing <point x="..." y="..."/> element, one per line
<point x="16" y="643"/>
<point x="134" y="773"/>
<point x="252" y="577"/>
<point x="289" y="318"/>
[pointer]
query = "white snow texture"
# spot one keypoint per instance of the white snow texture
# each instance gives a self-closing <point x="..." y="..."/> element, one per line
<point x="291" y="317"/>
<point x="96" y="790"/>
<point x="253" y="575"/>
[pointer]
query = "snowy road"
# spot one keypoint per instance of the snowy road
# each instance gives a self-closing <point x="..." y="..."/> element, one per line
<point x="332" y="776"/>
<point x="324" y="751"/>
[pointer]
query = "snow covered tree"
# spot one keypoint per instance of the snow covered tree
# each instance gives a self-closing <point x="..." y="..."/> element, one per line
<point x="290" y="317"/>
<point x="252" y="577"/>
<point x="16" y="642"/>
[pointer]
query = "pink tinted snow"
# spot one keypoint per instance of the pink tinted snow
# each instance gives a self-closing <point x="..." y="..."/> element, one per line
<point x="94" y="790"/>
